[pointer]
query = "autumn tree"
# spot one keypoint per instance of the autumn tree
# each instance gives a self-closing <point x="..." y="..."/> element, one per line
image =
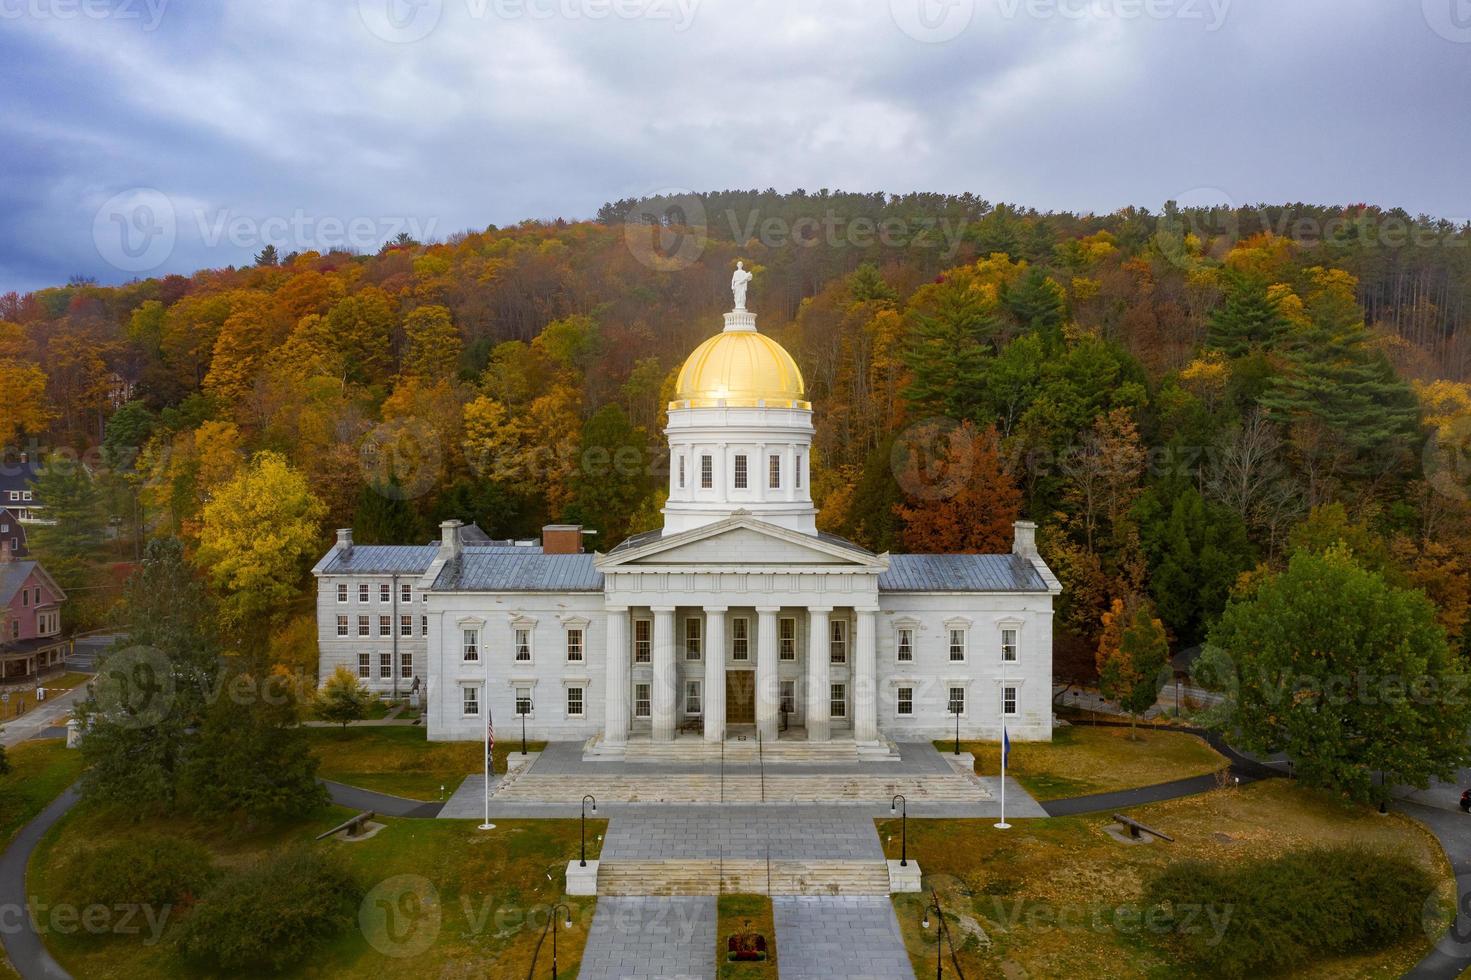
<point x="343" y="698"/>
<point x="1133" y="653"/>
<point x="257" y="532"/>
<point x="433" y="347"/>
<point x="69" y="540"/>
<point x="959" y="496"/>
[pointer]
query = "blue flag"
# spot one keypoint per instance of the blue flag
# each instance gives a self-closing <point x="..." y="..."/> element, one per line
<point x="1005" y="746"/>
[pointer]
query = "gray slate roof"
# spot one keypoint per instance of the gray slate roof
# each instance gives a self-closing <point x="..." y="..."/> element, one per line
<point x="383" y="559"/>
<point x="519" y="570"/>
<point x="960" y="573"/>
<point x="12" y="574"/>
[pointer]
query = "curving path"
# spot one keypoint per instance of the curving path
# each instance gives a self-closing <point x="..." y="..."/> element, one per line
<point x="22" y="943"/>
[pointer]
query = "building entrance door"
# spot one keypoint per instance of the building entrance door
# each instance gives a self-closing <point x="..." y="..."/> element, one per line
<point x="740" y="697"/>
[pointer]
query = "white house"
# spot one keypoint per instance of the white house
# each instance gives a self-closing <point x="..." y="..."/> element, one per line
<point x="737" y="617"/>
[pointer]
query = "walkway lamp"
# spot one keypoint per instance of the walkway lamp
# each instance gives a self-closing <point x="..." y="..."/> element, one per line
<point x="552" y="925"/>
<point x="582" y="860"/>
<point x="924" y="923"/>
<point x="903" y="828"/>
<point x="523" y="708"/>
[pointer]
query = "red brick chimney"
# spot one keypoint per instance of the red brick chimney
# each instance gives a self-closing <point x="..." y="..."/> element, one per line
<point x="561" y="539"/>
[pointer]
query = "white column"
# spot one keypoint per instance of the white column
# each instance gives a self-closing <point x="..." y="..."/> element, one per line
<point x="768" y="696"/>
<point x="665" y="677"/>
<point x="715" y="673"/>
<point x="615" y="696"/>
<point x="819" y="687"/>
<point x="865" y="679"/>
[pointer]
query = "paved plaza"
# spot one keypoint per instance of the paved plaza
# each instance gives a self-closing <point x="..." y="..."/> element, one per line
<point x="738" y="832"/>
<point x="651" y="939"/>
<point x="821" y="937"/>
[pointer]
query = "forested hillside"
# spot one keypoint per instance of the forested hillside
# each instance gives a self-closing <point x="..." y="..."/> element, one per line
<point x="1177" y="399"/>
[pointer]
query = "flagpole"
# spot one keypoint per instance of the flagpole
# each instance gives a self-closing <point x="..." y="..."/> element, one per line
<point x="485" y="736"/>
<point x="1005" y="751"/>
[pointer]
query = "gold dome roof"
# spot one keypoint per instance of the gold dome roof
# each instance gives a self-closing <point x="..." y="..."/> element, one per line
<point x="740" y="369"/>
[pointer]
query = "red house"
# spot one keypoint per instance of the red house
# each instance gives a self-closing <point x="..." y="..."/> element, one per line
<point x="30" y="619"/>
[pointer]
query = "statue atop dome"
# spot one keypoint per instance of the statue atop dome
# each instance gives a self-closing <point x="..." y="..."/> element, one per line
<point x="738" y="282"/>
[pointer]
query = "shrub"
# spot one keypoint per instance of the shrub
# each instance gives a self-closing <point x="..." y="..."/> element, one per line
<point x="144" y="870"/>
<point x="1267" y="916"/>
<point x="270" y="917"/>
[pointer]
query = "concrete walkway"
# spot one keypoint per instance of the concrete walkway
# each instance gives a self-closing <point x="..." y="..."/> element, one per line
<point x="651" y="939"/>
<point x="1437" y="809"/>
<point x="833" y="936"/>
<point x="389" y="806"/>
<point x="22" y="944"/>
<point x="49" y="714"/>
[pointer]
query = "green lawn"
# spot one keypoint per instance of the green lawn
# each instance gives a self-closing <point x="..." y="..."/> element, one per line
<point x="737" y="913"/>
<point x="39" y="771"/>
<point x="1081" y="760"/>
<point x="1049" y="892"/>
<point x="493" y="894"/>
<point x="400" y="759"/>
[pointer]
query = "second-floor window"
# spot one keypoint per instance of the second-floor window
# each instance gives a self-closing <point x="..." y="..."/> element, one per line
<point x="692" y="639"/>
<point x="839" y="645"/>
<point x="906" y="645"/>
<point x="405" y="593"/>
<point x="364" y="628"/>
<point x="405" y="626"/>
<point x="385" y="626"/>
<point x="642" y="646"/>
<point x="787" y="630"/>
<point x="385" y="592"/>
<point x="362" y="592"/>
<point x="574" y="646"/>
<point x="740" y="638"/>
<point x="341" y="625"/>
<point x="957" y="645"/>
<point x="341" y="591"/>
<point x="472" y="646"/>
<point x="1008" y="645"/>
<point x="523" y="646"/>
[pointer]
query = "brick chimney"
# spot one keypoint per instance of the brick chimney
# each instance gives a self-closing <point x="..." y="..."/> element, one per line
<point x="1024" y="539"/>
<point x="561" y="539"/>
<point x="344" y="541"/>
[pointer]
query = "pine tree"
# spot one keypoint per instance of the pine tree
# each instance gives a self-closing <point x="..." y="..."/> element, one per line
<point x="948" y="349"/>
<point x="1196" y="551"/>
<point x="1035" y="302"/>
<point x="67" y="545"/>
<point x="612" y="479"/>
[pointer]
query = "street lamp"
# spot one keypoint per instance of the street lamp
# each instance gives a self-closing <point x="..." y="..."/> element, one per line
<point x="523" y="708"/>
<point x="552" y="925"/>
<point x="924" y="923"/>
<point x="582" y="861"/>
<point x="955" y="706"/>
<point x="903" y="828"/>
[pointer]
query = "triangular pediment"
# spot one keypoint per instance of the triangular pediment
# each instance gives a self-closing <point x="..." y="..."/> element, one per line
<point x="742" y="541"/>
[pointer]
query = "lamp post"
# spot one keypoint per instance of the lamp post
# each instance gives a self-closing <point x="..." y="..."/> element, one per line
<point x="552" y="925"/>
<point x="903" y="828"/>
<point x="582" y="859"/>
<point x="955" y="706"/>
<point x="523" y="708"/>
<point x="924" y="923"/>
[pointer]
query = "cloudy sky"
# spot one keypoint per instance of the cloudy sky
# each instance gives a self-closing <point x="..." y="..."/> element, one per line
<point x="149" y="136"/>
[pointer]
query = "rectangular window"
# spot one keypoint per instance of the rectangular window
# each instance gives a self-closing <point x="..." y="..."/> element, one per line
<point x="787" y="635"/>
<point x="773" y="472"/>
<point x="681" y="472"/>
<point x="798" y="473"/>
<point x="25" y="597"/>
<point x="385" y="666"/>
<point x="640" y="700"/>
<point x="471" y="701"/>
<point x="574" y="646"/>
<point x="341" y="625"/>
<point x="740" y="638"/>
<point x="838" y="703"/>
<point x="692" y="639"/>
<point x="642" y="645"/>
<point x="957" y="701"/>
<point x="385" y="592"/>
<point x="424" y="626"/>
<point x="364" y="628"/>
<point x="1008" y="645"/>
<point x="692" y="698"/>
<point x="341" y="591"/>
<point x="406" y="665"/>
<point x="405" y="626"/>
<point x="741" y="477"/>
<point x="385" y="625"/>
<point x="574" y="702"/>
<point x="523" y="646"/>
<point x="906" y="646"/>
<point x="957" y="646"/>
<point x="707" y="472"/>
<point x="365" y="665"/>
<point x="788" y="694"/>
<point x="1008" y="700"/>
<point x="362" y="592"/>
<point x="405" y="593"/>
<point x="472" y="646"/>
<point x="524" y="705"/>
<point x="905" y="704"/>
<point x="839" y="644"/>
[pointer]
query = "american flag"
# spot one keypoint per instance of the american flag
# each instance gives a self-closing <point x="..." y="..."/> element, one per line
<point x="489" y="740"/>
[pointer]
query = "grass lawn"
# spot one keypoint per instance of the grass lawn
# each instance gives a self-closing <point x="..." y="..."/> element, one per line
<point x="745" y="913"/>
<point x="39" y="771"/>
<point x="493" y="893"/>
<point x="400" y="759"/>
<point x="1081" y="760"/>
<point x="1046" y="891"/>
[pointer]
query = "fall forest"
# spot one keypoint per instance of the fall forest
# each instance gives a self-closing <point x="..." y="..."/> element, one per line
<point x="1180" y="399"/>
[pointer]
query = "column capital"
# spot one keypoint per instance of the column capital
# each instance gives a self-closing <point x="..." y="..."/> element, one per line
<point x="768" y="610"/>
<point x="716" y="609"/>
<point x="615" y="609"/>
<point x="866" y="609"/>
<point x="819" y="609"/>
<point x="662" y="609"/>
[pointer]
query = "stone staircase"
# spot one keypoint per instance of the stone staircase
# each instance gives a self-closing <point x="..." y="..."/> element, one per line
<point x="743" y="877"/>
<point x="742" y="751"/>
<point x="713" y="788"/>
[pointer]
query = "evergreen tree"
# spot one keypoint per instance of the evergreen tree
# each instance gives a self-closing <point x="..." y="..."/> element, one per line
<point x="949" y="345"/>
<point x="1035" y="303"/>
<point x="866" y="285"/>
<point x="613" y="478"/>
<point x="267" y="257"/>
<point x="1249" y="320"/>
<point x="1196" y="550"/>
<point x="384" y="517"/>
<point x="67" y="545"/>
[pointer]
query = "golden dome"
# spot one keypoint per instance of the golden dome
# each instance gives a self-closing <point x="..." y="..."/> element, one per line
<point x="740" y="369"/>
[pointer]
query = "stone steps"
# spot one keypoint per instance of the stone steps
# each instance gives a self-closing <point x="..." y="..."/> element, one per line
<point x="743" y="877"/>
<point x="742" y="753"/>
<point x="712" y="788"/>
